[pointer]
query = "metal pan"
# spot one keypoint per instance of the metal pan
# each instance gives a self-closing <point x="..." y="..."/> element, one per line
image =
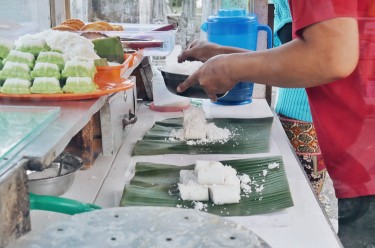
<point x="56" y="179"/>
<point x="172" y="80"/>
<point x="47" y="185"/>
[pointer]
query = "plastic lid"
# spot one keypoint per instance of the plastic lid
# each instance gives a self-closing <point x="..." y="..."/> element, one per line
<point x="232" y="15"/>
<point x="231" y="12"/>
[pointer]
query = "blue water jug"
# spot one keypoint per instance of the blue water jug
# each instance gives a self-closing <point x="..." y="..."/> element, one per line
<point x="234" y="27"/>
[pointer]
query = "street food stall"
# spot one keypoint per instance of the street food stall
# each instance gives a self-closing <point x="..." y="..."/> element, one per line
<point x="86" y="162"/>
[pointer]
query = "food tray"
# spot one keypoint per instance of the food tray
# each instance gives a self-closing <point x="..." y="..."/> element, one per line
<point x="104" y="89"/>
<point x="109" y="79"/>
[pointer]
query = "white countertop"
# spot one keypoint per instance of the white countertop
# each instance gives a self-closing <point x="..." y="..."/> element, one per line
<point x="303" y="225"/>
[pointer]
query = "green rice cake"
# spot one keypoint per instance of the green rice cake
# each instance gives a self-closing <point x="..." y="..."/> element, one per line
<point x="20" y="57"/>
<point x="43" y="69"/>
<point x="79" y="85"/>
<point x="53" y="58"/>
<point x="16" y="86"/>
<point x="46" y="85"/>
<point x="15" y="70"/>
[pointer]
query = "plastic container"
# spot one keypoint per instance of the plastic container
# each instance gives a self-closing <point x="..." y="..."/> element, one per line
<point x="114" y="73"/>
<point x="234" y="27"/>
<point x="144" y="32"/>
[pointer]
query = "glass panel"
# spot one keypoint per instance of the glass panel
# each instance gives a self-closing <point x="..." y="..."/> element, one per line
<point x="19" y="17"/>
<point x="18" y="126"/>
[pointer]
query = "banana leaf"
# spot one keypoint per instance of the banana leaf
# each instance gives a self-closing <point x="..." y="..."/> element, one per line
<point x="250" y="136"/>
<point x="156" y="185"/>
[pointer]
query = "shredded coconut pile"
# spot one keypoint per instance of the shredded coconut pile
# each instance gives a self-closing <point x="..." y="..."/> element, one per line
<point x="214" y="135"/>
<point x="185" y="68"/>
<point x="199" y="206"/>
<point x="197" y="131"/>
<point x="273" y="165"/>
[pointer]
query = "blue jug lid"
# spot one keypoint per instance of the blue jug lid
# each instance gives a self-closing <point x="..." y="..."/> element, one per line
<point x="232" y="15"/>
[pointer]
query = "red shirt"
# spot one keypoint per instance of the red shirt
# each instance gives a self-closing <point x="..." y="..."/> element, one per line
<point x="344" y="111"/>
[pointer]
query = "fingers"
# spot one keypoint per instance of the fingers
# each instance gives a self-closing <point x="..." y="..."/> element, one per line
<point x="186" y="53"/>
<point x="212" y="96"/>
<point x="190" y="81"/>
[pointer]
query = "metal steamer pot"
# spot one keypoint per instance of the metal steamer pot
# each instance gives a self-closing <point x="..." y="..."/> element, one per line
<point x="46" y="186"/>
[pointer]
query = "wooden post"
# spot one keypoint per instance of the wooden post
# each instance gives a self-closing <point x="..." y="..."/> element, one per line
<point x="187" y="22"/>
<point x="14" y="206"/>
<point x="86" y="144"/>
<point x="208" y="8"/>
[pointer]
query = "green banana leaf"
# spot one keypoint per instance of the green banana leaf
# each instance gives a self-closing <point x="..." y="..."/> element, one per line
<point x="251" y="136"/>
<point x="156" y="185"/>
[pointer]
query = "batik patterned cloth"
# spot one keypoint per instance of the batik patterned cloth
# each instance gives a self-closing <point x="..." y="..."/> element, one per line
<point x="302" y="137"/>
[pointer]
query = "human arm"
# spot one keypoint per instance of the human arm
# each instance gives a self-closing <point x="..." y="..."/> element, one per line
<point x="327" y="51"/>
<point x="200" y="50"/>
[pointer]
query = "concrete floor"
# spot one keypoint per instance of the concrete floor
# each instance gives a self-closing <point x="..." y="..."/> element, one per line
<point x="329" y="201"/>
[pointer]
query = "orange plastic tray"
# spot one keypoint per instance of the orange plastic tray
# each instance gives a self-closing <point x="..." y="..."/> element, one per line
<point x="104" y="89"/>
<point x="108" y="79"/>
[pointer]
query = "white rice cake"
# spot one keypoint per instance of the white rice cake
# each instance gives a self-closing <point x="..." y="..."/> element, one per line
<point x="187" y="176"/>
<point x="232" y="180"/>
<point x="193" y="191"/>
<point x="31" y="44"/>
<point x="196" y="131"/>
<point x="194" y="123"/>
<point x="210" y="172"/>
<point x="224" y="194"/>
<point x="194" y="113"/>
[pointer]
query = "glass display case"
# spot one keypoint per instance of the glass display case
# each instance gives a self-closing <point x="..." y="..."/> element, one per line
<point x="19" y="17"/>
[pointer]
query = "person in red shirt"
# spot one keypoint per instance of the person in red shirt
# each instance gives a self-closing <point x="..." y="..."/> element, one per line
<point x="332" y="55"/>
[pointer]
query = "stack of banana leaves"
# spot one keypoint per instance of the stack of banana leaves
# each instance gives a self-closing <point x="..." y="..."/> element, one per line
<point x="248" y="136"/>
<point x="156" y="185"/>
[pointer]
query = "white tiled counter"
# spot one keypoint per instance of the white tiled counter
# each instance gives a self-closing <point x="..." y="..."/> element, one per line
<point x="303" y="225"/>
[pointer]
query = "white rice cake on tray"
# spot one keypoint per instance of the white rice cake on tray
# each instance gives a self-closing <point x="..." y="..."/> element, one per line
<point x="43" y="69"/>
<point x="20" y="57"/>
<point x="210" y="172"/>
<point x="15" y="70"/>
<point x="224" y="194"/>
<point x="46" y="85"/>
<point x="31" y="44"/>
<point x="16" y="86"/>
<point x="192" y="191"/>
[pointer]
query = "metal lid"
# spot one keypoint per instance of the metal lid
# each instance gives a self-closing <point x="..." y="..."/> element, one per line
<point x="143" y="227"/>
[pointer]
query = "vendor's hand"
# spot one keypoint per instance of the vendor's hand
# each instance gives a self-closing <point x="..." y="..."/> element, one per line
<point x="198" y="50"/>
<point x="214" y="76"/>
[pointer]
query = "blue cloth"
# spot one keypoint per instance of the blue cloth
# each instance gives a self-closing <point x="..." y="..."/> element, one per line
<point x="282" y="17"/>
<point x="292" y="103"/>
